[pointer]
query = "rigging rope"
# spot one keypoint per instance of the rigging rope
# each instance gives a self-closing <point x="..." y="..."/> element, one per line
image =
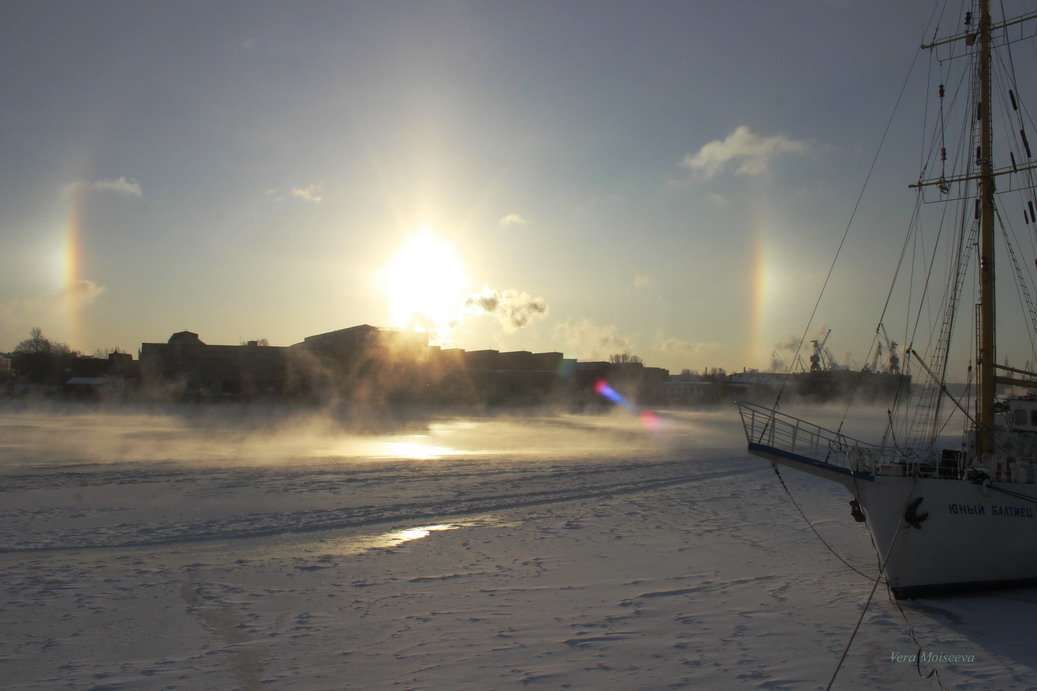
<point x="1014" y="494"/>
<point x="1023" y="290"/>
<point x="944" y="321"/>
<point x="802" y="340"/>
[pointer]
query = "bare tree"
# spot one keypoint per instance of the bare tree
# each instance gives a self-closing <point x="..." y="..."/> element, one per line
<point x="41" y="360"/>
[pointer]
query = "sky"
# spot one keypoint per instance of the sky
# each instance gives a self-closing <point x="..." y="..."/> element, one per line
<point x="665" y="179"/>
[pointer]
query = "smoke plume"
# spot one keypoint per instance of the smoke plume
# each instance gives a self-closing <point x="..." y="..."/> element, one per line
<point x="512" y="308"/>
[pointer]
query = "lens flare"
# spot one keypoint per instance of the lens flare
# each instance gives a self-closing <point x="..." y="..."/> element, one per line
<point x="649" y="419"/>
<point x="603" y="389"/>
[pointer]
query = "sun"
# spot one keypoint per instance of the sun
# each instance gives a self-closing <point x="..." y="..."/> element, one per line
<point x="425" y="283"/>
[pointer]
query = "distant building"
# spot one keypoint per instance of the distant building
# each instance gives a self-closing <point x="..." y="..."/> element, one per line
<point x="195" y="369"/>
<point x="367" y="364"/>
<point x="115" y="365"/>
<point x="632" y="380"/>
<point x="517" y="377"/>
<point x="362" y="363"/>
<point x="95" y="376"/>
<point x="679" y="391"/>
<point x="342" y="343"/>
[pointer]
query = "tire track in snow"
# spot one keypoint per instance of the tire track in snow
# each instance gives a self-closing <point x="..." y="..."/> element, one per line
<point x="259" y="525"/>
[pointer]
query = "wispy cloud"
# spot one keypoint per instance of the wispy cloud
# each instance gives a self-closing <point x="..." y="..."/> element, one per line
<point x="512" y="219"/>
<point x="587" y="340"/>
<point x="685" y="349"/>
<point x="80" y="293"/>
<point x="718" y="199"/>
<point x="747" y="152"/>
<point x="125" y="186"/>
<point x="311" y="193"/>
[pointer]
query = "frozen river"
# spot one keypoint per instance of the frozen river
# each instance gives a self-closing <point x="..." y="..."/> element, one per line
<point x="220" y="547"/>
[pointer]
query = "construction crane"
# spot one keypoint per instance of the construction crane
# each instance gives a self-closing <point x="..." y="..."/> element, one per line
<point x="893" y="363"/>
<point x="821" y="359"/>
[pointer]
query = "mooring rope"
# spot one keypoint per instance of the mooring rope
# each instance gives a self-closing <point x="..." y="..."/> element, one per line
<point x="918" y="652"/>
<point x="867" y="604"/>
<point x="877" y="579"/>
<point x="814" y="530"/>
<point x="846" y="649"/>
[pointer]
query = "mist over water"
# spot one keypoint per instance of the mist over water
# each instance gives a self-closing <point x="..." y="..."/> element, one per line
<point x="110" y="477"/>
<point x="36" y="438"/>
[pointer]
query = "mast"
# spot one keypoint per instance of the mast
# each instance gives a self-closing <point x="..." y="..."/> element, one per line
<point x="984" y="174"/>
<point x="986" y="351"/>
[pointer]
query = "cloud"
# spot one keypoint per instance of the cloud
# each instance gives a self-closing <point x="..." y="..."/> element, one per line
<point x="125" y="186"/>
<point x="308" y="194"/>
<point x="641" y="281"/>
<point x="587" y="340"/>
<point x="513" y="308"/>
<point x="82" y="292"/>
<point x="16" y="313"/>
<point x="718" y="199"/>
<point x="746" y="151"/>
<point x="512" y="219"/>
<point x="790" y="344"/>
<point x="685" y="349"/>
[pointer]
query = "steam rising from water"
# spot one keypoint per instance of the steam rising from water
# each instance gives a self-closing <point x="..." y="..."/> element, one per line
<point x="73" y="435"/>
<point x="70" y="436"/>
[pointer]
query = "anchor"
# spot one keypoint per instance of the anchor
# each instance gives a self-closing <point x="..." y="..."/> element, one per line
<point x="912" y="516"/>
<point x="856" y="511"/>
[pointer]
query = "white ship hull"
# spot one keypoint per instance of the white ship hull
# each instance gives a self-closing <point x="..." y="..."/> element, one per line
<point x="960" y="536"/>
<point x="973" y="537"/>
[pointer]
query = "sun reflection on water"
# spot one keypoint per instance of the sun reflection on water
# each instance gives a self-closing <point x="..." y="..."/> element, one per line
<point x="406" y="448"/>
<point x="396" y="537"/>
<point x="390" y="539"/>
<point x="419" y="451"/>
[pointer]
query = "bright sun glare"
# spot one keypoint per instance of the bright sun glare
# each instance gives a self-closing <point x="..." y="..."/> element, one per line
<point x="425" y="283"/>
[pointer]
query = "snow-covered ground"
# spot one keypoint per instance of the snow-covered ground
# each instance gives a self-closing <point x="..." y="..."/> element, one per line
<point x="219" y="547"/>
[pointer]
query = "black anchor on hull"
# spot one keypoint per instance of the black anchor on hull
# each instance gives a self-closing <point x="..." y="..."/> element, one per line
<point x="912" y="516"/>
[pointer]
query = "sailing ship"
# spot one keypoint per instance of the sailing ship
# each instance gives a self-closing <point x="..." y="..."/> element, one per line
<point x="950" y="516"/>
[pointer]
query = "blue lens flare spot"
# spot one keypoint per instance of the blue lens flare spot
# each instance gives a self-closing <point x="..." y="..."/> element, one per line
<point x="648" y="418"/>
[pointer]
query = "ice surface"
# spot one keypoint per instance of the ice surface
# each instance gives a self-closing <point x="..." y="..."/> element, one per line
<point x="216" y="548"/>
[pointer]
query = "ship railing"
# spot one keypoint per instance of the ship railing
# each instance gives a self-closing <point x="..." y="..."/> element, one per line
<point x="776" y="430"/>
